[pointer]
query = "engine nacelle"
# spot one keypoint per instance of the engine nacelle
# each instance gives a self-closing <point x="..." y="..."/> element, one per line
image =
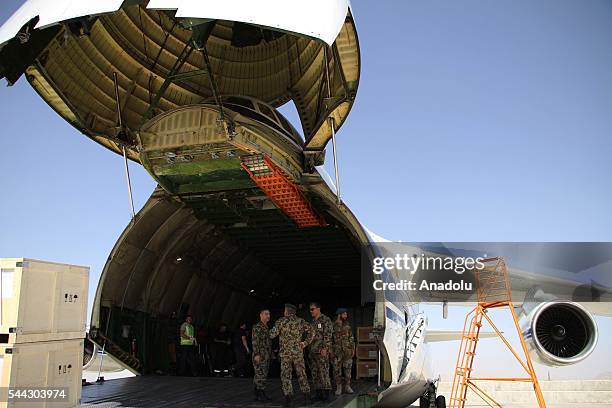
<point x="560" y="333"/>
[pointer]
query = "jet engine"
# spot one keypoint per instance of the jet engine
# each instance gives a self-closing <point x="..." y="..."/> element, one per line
<point x="560" y="333"/>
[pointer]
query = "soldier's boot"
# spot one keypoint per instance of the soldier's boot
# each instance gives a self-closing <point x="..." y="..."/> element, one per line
<point x="263" y="396"/>
<point x="287" y="402"/>
<point x="257" y="394"/>
<point x="325" y="395"/>
<point x="339" y="389"/>
<point x="347" y="387"/>
<point x="316" y="396"/>
<point x="307" y="400"/>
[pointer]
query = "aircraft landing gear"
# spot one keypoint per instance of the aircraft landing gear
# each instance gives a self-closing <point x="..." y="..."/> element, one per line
<point x="430" y="400"/>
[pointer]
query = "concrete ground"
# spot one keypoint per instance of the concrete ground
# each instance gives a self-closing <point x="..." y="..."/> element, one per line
<point x="557" y="394"/>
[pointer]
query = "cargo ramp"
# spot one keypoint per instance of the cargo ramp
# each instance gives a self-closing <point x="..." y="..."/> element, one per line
<point x="169" y="391"/>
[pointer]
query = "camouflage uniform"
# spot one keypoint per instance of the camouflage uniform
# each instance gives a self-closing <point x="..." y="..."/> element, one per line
<point x="262" y="347"/>
<point x="344" y="345"/>
<point x="319" y="365"/>
<point x="290" y="329"/>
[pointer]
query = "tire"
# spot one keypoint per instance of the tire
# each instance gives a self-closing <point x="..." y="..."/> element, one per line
<point x="423" y="402"/>
<point x="440" y="402"/>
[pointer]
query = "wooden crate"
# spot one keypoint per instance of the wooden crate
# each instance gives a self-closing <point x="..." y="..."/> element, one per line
<point x="54" y="364"/>
<point x="365" y="334"/>
<point x="367" y="351"/>
<point x="367" y="369"/>
<point x="42" y="301"/>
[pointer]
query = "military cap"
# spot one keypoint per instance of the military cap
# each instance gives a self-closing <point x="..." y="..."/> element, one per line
<point x="291" y="307"/>
<point x="341" y="310"/>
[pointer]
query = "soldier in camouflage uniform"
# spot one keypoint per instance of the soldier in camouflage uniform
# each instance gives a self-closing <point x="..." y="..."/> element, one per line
<point x="262" y="354"/>
<point x="291" y="328"/>
<point x="344" y="351"/>
<point x="319" y="352"/>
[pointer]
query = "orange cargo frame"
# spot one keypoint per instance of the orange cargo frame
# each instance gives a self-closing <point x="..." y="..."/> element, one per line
<point x="284" y="193"/>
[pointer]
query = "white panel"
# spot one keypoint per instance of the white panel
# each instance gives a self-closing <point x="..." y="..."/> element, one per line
<point x="165" y="4"/>
<point x="57" y="11"/>
<point x="321" y="19"/>
<point x="51" y="12"/>
<point x="25" y="13"/>
<point x="6" y="283"/>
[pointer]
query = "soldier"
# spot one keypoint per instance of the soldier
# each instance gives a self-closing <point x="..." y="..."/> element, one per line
<point x="262" y="354"/>
<point x="291" y="328"/>
<point x="319" y="352"/>
<point x="344" y="351"/>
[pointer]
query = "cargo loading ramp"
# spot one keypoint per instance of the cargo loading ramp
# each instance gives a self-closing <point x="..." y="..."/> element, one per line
<point x="169" y="391"/>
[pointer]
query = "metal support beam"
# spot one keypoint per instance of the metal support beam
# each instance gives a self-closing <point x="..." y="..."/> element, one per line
<point x="190" y="74"/>
<point x="199" y="38"/>
<point x="129" y="182"/>
<point x="178" y="64"/>
<point x="332" y="126"/>
<point x="121" y="133"/>
<point x="336" y="171"/>
<point x="213" y="82"/>
<point x="228" y="126"/>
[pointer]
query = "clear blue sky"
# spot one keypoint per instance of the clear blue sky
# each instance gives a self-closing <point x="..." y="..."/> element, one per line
<point x="474" y="120"/>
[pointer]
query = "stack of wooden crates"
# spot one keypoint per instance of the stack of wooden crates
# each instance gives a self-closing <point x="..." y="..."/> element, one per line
<point x="43" y="311"/>
<point x="367" y="353"/>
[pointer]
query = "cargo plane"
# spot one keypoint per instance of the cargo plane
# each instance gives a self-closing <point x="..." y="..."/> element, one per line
<point x="243" y="215"/>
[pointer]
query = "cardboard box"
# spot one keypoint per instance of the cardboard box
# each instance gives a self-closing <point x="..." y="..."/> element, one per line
<point x="367" y="351"/>
<point x="365" y="334"/>
<point x="367" y="369"/>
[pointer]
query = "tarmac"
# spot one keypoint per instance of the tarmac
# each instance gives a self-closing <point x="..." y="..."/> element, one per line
<point x="557" y="394"/>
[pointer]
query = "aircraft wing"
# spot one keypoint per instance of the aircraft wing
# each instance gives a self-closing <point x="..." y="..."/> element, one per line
<point x="575" y="271"/>
<point x="433" y="336"/>
<point x="580" y="272"/>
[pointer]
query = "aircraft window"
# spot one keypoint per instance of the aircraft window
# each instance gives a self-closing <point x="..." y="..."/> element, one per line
<point x="240" y="101"/>
<point x="267" y="111"/>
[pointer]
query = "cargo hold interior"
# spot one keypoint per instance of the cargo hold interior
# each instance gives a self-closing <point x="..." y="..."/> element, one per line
<point x="220" y="259"/>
